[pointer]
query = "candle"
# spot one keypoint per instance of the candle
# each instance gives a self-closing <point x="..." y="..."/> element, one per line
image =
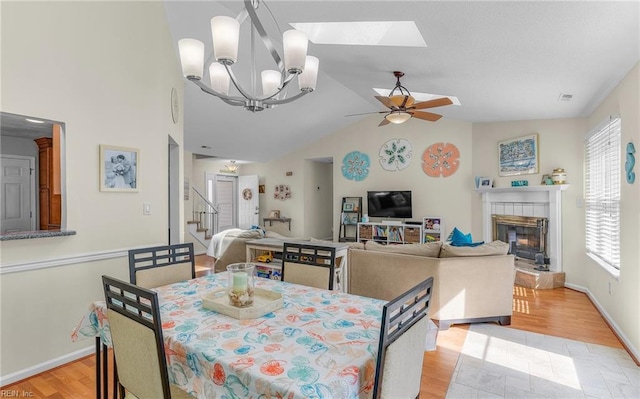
<point x="240" y="282"/>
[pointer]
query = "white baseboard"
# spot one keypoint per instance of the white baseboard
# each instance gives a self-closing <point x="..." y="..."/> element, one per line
<point x="48" y="365"/>
<point x="621" y="335"/>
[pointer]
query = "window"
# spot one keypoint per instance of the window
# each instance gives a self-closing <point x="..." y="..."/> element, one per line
<point x="602" y="195"/>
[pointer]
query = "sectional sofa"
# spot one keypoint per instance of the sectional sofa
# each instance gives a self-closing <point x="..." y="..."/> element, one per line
<point x="471" y="284"/>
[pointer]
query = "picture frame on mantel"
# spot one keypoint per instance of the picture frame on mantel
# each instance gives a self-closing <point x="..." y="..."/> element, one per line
<point x="519" y="156"/>
<point x="119" y="167"/>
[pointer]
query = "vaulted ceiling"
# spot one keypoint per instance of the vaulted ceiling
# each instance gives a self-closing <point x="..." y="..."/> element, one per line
<point x="502" y="60"/>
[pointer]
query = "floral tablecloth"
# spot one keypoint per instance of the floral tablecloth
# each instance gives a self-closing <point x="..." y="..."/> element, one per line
<point x="321" y="344"/>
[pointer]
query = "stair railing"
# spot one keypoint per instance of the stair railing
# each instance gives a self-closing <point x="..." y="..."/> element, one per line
<point x="205" y="212"/>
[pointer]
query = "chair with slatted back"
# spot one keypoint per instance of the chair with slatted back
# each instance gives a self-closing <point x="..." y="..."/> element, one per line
<point x="403" y="333"/>
<point x="136" y="333"/>
<point x="157" y="266"/>
<point x="310" y="265"/>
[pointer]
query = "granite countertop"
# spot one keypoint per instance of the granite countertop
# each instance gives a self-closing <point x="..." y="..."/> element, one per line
<point x="24" y="235"/>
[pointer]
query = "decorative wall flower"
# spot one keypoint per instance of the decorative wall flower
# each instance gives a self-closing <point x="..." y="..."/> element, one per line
<point x="441" y="159"/>
<point x="395" y="154"/>
<point x="355" y="166"/>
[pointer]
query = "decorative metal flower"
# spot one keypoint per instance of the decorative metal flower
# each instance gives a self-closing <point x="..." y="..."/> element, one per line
<point x="441" y="159"/>
<point x="355" y="166"/>
<point x="395" y="154"/>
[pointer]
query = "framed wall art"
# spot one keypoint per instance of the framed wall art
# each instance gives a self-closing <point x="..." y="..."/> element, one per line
<point x="519" y="156"/>
<point x="119" y="167"/>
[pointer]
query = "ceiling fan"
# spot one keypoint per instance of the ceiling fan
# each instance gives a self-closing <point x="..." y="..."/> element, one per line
<point x="402" y="106"/>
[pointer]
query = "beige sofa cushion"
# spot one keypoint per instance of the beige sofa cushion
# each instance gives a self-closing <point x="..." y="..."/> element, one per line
<point x="492" y="248"/>
<point x="430" y="249"/>
<point x="351" y="245"/>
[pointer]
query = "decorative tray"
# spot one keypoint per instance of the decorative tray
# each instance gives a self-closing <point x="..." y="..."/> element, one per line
<point x="264" y="301"/>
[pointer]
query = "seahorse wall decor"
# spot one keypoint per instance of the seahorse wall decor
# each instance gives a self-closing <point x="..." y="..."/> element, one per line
<point x="630" y="163"/>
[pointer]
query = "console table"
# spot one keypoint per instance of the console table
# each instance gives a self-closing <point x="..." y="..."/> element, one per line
<point x="271" y="220"/>
<point x="255" y="247"/>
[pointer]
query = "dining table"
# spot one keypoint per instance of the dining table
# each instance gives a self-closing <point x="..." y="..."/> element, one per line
<point x="319" y="344"/>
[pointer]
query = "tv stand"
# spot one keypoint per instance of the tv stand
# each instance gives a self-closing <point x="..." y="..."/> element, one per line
<point x="390" y="233"/>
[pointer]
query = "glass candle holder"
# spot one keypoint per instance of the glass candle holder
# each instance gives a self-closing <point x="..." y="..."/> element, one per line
<point x="241" y="284"/>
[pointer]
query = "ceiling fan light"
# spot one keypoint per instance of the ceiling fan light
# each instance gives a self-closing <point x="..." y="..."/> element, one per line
<point x="270" y="82"/>
<point x="308" y="78"/>
<point x="191" y="57"/>
<point x="295" y="44"/>
<point x="398" y="117"/>
<point x="225" y="32"/>
<point x="219" y="78"/>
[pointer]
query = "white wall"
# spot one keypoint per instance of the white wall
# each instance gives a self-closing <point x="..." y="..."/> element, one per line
<point x="10" y="145"/>
<point x="106" y="69"/>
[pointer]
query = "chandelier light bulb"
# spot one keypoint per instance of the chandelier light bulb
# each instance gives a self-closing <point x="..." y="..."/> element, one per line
<point x="219" y="78"/>
<point x="270" y="82"/>
<point x="295" y="45"/>
<point x="308" y="78"/>
<point x="225" y="32"/>
<point x="191" y="57"/>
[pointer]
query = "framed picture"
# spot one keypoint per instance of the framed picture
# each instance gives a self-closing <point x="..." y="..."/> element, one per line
<point x="486" y="182"/>
<point x="518" y="156"/>
<point x="261" y="189"/>
<point x="347" y="207"/>
<point x="275" y="214"/>
<point x="119" y="168"/>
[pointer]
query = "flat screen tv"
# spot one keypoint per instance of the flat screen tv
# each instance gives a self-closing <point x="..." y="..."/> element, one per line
<point x="389" y="204"/>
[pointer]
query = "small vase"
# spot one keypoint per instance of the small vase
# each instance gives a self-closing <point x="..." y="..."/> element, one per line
<point x="241" y="284"/>
<point x="559" y="176"/>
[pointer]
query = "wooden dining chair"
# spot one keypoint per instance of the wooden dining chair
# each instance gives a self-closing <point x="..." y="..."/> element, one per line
<point x="402" y="340"/>
<point x="136" y="333"/>
<point x="157" y="266"/>
<point x="310" y="265"/>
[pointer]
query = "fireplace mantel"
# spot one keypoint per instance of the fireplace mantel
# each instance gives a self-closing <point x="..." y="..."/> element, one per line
<point x="555" y="187"/>
<point x="522" y="200"/>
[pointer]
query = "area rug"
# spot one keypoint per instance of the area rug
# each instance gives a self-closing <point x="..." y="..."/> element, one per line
<point x="502" y="362"/>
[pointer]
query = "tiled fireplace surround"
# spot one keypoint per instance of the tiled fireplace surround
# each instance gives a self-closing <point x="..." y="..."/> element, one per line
<point x="532" y="201"/>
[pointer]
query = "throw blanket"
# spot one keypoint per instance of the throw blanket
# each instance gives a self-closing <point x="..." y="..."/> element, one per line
<point x="219" y="244"/>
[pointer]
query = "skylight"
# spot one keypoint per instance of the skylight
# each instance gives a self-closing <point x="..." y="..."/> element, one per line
<point x="364" y="33"/>
<point x="420" y="96"/>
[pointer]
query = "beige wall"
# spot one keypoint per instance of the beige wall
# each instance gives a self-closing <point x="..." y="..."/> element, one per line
<point x="448" y="198"/>
<point x="106" y="69"/>
<point x="318" y="199"/>
<point x="622" y="302"/>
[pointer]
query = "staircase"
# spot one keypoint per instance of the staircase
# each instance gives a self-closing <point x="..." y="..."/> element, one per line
<point x="205" y="219"/>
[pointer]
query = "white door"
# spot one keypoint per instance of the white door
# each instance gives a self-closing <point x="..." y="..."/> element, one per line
<point x="249" y="204"/>
<point x="222" y="191"/>
<point x="17" y="193"/>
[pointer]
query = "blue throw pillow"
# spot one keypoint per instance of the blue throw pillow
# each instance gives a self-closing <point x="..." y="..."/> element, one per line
<point x="459" y="239"/>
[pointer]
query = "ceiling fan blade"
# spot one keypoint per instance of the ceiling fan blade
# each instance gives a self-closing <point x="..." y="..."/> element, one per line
<point x="438" y="102"/>
<point x="369" y="113"/>
<point x="386" y="101"/>
<point x="427" y="116"/>
<point x="384" y="122"/>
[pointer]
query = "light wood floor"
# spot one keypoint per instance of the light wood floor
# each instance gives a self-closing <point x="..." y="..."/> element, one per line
<point x="560" y="312"/>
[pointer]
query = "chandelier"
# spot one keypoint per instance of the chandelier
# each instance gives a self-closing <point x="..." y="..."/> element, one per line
<point x="225" y="32"/>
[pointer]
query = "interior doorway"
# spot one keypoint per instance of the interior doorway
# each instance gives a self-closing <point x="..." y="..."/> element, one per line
<point x="18" y="193"/>
<point x="222" y="191"/>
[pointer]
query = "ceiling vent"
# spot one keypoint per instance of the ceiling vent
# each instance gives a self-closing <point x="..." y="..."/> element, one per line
<point x="565" y="97"/>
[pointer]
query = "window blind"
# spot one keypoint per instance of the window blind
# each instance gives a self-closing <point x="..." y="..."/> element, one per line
<point x="602" y="194"/>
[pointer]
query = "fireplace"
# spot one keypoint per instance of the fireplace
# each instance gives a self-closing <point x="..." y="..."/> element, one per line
<point x="536" y="202"/>
<point x="526" y="236"/>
